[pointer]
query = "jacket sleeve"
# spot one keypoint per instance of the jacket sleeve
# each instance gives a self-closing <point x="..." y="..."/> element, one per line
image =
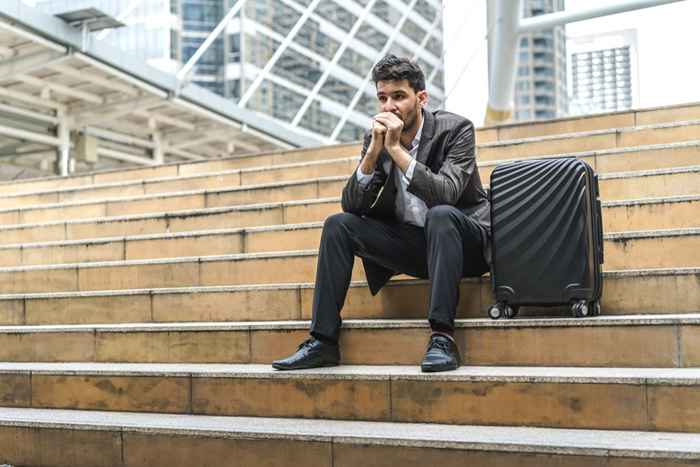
<point x="358" y="199"/>
<point x="447" y="186"/>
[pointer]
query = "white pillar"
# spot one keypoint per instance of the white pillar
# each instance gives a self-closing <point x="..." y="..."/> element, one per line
<point x="503" y="17"/>
<point x="63" y="149"/>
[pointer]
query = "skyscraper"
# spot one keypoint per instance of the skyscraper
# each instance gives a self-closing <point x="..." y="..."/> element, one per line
<point x="303" y="62"/>
<point x="603" y="72"/>
<point x="540" y="86"/>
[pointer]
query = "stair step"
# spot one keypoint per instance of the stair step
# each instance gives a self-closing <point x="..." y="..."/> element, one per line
<point x="666" y="249"/>
<point x="648" y="157"/>
<point x="650" y="291"/>
<point x="600" y="121"/>
<point x="219" y="180"/>
<point x="555" y="397"/>
<point x="133" y="439"/>
<point x="656" y="248"/>
<point x="638" y="214"/>
<point x="637" y="158"/>
<point x="591" y="140"/>
<point x="619" y="341"/>
<point x="613" y="186"/>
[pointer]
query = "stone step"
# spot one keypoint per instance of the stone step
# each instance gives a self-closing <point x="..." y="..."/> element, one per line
<point x="625" y="159"/>
<point x="97" y="439"/>
<point x="655" y="248"/>
<point x="591" y="140"/>
<point x="602" y="121"/>
<point x="553" y="397"/>
<point x="613" y="186"/>
<point x="219" y="181"/>
<point x="647" y="291"/>
<point x="648" y="157"/>
<point x="264" y="264"/>
<point x="639" y="214"/>
<point x="182" y="169"/>
<point x="197" y="199"/>
<point x="609" y="341"/>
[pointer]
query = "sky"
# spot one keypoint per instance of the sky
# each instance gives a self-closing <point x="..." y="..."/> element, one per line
<point x="669" y="68"/>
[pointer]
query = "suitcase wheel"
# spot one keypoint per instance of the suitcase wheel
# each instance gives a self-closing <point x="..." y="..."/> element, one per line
<point x="581" y="309"/>
<point x="502" y="310"/>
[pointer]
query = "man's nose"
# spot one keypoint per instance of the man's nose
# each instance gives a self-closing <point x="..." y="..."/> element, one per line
<point x="389" y="105"/>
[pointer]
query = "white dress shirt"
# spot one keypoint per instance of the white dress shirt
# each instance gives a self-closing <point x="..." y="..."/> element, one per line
<point x="409" y="208"/>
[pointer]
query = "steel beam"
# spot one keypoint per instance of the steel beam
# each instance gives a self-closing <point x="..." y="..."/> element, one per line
<point x="336" y="57"/>
<point x="368" y="76"/>
<point x="278" y="53"/>
<point x="185" y="71"/>
<point x="27" y="63"/>
<point x="61" y="89"/>
<point x="560" y="18"/>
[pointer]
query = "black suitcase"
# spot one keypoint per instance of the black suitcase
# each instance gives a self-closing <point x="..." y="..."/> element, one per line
<point x="547" y="236"/>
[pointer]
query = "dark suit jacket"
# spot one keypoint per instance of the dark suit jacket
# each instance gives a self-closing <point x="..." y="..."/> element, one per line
<point x="445" y="173"/>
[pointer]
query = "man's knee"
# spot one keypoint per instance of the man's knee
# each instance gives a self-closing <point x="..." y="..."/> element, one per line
<point x="339" y="222"/>
<point x="441" y="218"/>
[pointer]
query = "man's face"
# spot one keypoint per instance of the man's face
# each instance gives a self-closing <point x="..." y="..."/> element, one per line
<point x="399" y="98"/>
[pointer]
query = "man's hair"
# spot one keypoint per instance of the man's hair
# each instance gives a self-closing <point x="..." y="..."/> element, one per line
<point x="392" y="67"/>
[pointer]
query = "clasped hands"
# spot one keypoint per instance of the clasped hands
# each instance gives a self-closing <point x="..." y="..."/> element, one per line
<point x="386" y="134"/>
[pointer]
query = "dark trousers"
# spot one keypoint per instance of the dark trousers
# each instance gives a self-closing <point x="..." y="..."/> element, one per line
<point x="448" y="248"/>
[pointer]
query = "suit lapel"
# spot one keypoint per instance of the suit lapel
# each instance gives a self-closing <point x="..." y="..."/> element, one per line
<point x="426" y="137"/>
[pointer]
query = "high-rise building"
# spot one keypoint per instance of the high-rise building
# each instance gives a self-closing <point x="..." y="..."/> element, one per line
<point x="303" y="62"/>
<point x="603" y="72"/>
<point x="540" y="86"/>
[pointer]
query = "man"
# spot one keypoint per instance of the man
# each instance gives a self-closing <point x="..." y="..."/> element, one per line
<point x="414" y="205"/>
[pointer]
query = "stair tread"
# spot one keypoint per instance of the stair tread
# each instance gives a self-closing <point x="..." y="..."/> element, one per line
<point x="681" y="271"/>
<point x="525" y="374"/>
<point x="510" y="439"/>
<point x="599" y="321"/>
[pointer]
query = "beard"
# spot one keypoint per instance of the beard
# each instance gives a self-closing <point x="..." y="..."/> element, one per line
<point x="409" y="122"/>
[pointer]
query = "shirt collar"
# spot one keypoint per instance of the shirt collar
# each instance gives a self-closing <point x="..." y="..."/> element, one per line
<point x="416" y="139"/>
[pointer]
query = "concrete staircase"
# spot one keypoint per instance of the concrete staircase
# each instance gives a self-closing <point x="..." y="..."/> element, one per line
<point x="140" y="310"/>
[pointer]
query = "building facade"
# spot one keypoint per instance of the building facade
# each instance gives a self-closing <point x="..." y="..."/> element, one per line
<point x="304" y="62"/>
<point x="603" y="72"/>
<point x="541" y="84"/>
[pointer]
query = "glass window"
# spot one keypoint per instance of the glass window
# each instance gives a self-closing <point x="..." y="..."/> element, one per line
<point x="201" y="15"/>
<point x="298" y="68"/>
<point x="317" y="120"/>
<point x="523" y="71"/>
<point x="311" y="37"/>
<point x="413" y="31"/>
<point x="434" y="46"/>
<point x="259" y="49"/>
<point x="338" y="90"/>
<point x="350" y="133"/>
<point x="336" y="14"/>
<point x="355" y="62"/>
<point x="425" y="10"/>
<point x="386" y="12"/>
<point x="372" y="37"/>
<point x="273" y="14"/>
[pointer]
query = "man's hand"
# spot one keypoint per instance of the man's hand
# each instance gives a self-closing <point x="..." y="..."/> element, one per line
<point x="394" y="127"/>
<point x="392" y="139"/>
<point x="375" y="148"/>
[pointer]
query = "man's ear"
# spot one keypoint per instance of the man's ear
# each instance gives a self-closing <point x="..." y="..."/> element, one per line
<point x="422" y="97"/>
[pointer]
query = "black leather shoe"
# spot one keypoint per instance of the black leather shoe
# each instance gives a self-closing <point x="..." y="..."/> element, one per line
<point x="442" y="355"/>
<point x="312" y="353"/>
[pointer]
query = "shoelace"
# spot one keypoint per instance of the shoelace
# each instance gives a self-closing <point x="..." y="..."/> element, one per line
<point x="442" y="344"/>
<point x="306" y="343"/>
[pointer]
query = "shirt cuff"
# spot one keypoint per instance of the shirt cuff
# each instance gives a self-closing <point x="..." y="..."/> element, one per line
<point x="409" y="171"/>
<point x="363" y="179"/>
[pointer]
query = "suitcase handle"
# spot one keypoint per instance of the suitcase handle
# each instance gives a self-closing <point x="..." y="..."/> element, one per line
<point x="601" y="254"/>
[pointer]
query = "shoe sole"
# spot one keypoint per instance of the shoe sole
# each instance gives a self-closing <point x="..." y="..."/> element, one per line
<point x="437" y="369"/>
<point x="306" y="367"/>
